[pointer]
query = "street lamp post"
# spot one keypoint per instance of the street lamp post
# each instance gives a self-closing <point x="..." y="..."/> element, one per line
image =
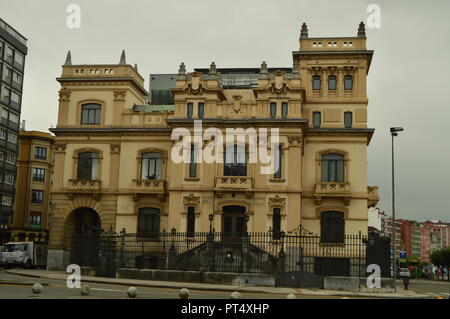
<point x="394" y="132"/>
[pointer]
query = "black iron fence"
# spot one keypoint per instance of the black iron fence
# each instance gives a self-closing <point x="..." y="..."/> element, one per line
<point x="262" y="253"/>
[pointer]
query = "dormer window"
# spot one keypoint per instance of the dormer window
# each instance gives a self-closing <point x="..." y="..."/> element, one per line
<point x="332" y="82"/>
<point x="348" y="82"/>
<point x="316" y="82"/>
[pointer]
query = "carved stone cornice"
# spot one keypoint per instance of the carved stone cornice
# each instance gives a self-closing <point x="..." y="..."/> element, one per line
<point x="295" y="141"/>
<point x="115" y="148"/>
<point x="64" y="95"/>
<point x="119" y="95"/>
<point x="277" y="202"/>
<point x="60" y="148"/>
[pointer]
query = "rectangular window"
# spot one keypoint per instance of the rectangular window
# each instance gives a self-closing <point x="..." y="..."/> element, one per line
<point x="348" y="82"/>
<point x="35" y="220"/>
<point x="316" y="82"/>
<point x="348" y="119"/>
<point x="37" y="196"/>
<point x="235" y="163"/>
<point x="149" y="222"/>
<point x="316" y="119"/>
<point x="7" y="73"/>
<point x="40" y="153"/>
<point x="91" y="114"/>
<point x="18" y="58"/>
<point x="38" y="174"/>
<point x="6" y="200"/>
<point x="151" y="166"/>
<point x="12" y="138"/>
<point x="332" y="168"/>
<point x="332" y="82"/>
<point x="284" y="110"/>
<point x="11" y="158"/>
<point x="4" y="113"/>
<point x="273" y="110"/>
<point x="1" y="156"/>
<point x="9" y="179"/>
<point x="87" y="168"/>
<point x="278" y="161"/>
<point x="276" y="223"/>
<point x="9" y="54"/>
<point x="193" y="164"/>
<point x="190" y="221"/>
<point x="14" y="117"/>
<point x="201" y="110"/>
<point x="190" y="110"/>
<point x="17" y="78"/>
<point x="3" y="134"/>
<point x="332" y="228"/>
<point x="15" y="97"/>
<point x="6" y="94"/>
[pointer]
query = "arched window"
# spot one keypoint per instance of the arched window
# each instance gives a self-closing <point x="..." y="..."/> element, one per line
<point x="151" y="166"/>
<point x="90" y="113"/>
<point x="148" y="222"/>
<point x="332" y="82"/>
<point x="332" y="168"/>
<point x="87" y="166"/>
<point x="332" y="227"/>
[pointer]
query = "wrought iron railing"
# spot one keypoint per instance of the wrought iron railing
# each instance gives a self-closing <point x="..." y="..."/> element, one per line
<point x="256" y="252"/>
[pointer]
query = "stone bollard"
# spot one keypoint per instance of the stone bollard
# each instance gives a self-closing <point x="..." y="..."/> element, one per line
<point x="132" y="292"/>
<point x="37" y="288"/>
<point x="184" y="293"/>
<point x="235" y="295"/>
<point x="85" y="290"/>
<point x="291" y="296"/>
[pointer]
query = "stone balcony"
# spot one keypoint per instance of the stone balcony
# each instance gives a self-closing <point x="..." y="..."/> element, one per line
<point x="84" y="186"/>
<point x="373" y="198"/>
<point x="141" y="187"/>
<point x="234" y="183"/>
<point x="332" y="190"/>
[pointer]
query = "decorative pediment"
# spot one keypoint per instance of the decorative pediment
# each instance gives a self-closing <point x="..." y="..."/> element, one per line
<point x="277" y="202"/>
<point x="191" y="200"/>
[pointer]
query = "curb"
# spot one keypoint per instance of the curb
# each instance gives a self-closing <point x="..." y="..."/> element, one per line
<point x="20" y="283"/>
<point x="227" y="289"/>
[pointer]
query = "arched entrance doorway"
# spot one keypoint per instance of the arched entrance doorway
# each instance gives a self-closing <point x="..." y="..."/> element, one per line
<point x="82" y="236"/>
<point x="234" y="220"/>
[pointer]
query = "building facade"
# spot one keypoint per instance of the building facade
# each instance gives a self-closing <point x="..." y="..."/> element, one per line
<point x="34" y="175"/>
<point x="114" y="152"/>
<point x="13" y="49"/>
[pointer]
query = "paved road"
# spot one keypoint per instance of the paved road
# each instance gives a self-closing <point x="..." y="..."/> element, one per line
<point x="57" y="289"/>
<point x="431" y="288"/>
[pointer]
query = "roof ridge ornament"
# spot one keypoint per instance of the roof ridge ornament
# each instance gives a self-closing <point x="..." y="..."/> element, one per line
<point x="136" y="67"/>
<point x="68" y="59"/>
<point x="361" y="30"/>
<point x="264" y="71"/>
<point x="123" y="60"/>
<point x="182" y="71"/>
<point x="304" y="31"/>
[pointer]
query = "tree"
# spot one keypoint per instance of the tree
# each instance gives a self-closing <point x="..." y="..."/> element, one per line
<point x="441" y="257"/>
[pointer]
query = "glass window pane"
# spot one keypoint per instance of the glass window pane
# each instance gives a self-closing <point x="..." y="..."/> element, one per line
<point x="284" y="109"/>
<point x="273" y="110"/>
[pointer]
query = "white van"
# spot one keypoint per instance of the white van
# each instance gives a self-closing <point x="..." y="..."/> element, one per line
<point x="27" y="254"/>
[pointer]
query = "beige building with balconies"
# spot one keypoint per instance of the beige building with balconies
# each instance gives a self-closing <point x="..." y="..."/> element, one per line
<point x="114" y="165"/>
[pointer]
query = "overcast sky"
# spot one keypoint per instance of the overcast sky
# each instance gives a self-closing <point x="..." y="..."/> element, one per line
<point x="408" y="79"/>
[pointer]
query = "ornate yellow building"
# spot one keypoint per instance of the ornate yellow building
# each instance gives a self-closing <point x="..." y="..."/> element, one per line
<point x="113" y="162"/>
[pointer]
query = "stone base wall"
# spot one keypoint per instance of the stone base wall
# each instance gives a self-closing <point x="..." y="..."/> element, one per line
<point x="197" y="276"/>
<point x="58" y="259"/>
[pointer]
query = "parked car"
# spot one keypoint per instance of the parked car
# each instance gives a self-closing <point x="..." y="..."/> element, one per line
<point x="404" y="272"/>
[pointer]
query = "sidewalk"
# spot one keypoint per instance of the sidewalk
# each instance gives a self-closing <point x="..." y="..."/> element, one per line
<point x="60" y="275"/>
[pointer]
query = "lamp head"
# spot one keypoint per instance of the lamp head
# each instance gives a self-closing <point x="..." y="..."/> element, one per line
<point x="396" y="129"/>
